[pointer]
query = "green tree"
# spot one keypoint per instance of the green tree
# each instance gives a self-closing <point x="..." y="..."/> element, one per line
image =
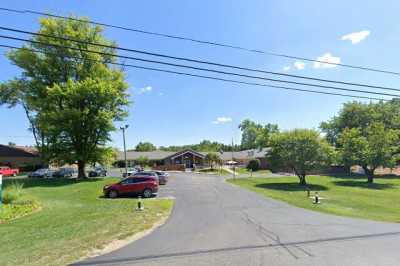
<point x="11" y="144"/>
<point x="370" y="150"/>
<point x="253" y="165"/>
<point x="301" y="150"/>
<point x="355" y="129"/>
<point x="145" y="146"/>
<point x="71" y="97"/>
<point x="256" y="135"/>
<point x="142" y="161"/>
<point x="212" y="158"/>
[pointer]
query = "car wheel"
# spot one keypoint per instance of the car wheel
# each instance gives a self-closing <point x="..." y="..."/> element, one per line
<point x="14" y="174"/>
<point x="147" y="193"/>
<point x="112" y="194"/>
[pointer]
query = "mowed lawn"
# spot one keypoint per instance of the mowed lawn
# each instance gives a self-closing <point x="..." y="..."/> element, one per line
<point x="347" y="196"/>
<point x="74" y="220"/>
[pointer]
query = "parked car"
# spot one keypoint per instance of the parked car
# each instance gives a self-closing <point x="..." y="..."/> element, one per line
<point x="162" y="177"/>
<point x="98" y="171"/>
<point x="7" y="171"/>
<point x="42" y="172"/>
<point x="64" y="172"/>
<point x="130" y="172"/>
<point x="147" y="173"/>
<point x="145" y="186"/>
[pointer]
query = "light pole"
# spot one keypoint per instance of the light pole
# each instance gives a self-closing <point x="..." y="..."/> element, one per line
<point x="123" y="136"/>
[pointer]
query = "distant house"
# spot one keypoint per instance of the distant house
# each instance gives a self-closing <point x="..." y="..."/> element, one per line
<point x="189" y="158"/>
<point x="20" y="157"/>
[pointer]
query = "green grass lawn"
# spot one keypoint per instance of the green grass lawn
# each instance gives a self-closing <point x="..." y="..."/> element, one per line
<point x="73" y="220"/>
<point x="347" y="196"/>
<point x="245" y="172"/>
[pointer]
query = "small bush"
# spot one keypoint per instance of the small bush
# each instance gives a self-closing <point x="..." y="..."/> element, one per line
<point x="13" y="193"/>
<point x="253" y="165"/>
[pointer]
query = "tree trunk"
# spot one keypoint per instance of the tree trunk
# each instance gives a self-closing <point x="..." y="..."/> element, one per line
<point x="302" y="177"/>
<point x="369" y="173"/>
<point x="302" y="180"/>
<point x="81" y="169"/>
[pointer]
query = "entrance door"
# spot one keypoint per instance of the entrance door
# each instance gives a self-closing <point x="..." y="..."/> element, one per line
<point x="187" y="162"/>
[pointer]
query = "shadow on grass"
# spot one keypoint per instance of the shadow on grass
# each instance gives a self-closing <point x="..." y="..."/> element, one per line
<point x="48" y="182"/>
<point x="361" y="176"/>
<point x="291" y="186"/>
<point x="127" y="196"/>
<point x="362" y="184"/>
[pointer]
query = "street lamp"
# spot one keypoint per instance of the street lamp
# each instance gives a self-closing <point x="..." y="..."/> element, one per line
<point x="123" y="136"/>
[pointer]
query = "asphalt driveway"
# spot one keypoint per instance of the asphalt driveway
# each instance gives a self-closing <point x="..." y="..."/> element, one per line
<point x="216" y="223"/>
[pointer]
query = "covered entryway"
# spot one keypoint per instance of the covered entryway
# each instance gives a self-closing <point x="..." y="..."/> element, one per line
<point x="187" y="158"/>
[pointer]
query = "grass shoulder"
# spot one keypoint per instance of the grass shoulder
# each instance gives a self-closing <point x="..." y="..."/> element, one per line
<point x="74" y="220"/>
<point x="346" y="196"/>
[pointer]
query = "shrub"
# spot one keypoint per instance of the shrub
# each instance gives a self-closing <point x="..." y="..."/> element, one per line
<point x="13" y="193"/>
<point x="254" y="165"/>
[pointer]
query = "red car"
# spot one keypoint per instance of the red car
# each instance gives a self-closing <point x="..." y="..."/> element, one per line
<point x="145" y="186"/>
<point x="7" y="171"/>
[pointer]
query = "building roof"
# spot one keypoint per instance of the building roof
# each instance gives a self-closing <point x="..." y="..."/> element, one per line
<point x="161" y="155"/>
<point x="151" y="155"/>
<point x="8" y="151"/>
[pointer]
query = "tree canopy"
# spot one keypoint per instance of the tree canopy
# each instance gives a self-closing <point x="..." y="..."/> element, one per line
<point x="145" y="146"/>
<point x="212" y="158"/>
<point x="366" y="134"/>
<point x="204" y="145"/>
<point x="256" y="135"/>
<point x="142" y="161"/>
<point x="301" y="150"/>
<point x="71" y="96"/>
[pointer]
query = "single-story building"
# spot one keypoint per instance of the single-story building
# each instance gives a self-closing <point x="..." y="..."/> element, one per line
<point x="189" y="158"/>
<point x="19" y="157"/>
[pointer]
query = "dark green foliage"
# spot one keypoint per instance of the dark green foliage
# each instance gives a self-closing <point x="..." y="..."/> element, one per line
<point x="253" y="165"/>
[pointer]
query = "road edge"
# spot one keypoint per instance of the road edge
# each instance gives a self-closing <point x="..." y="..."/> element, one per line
<point x="120" y="243"/>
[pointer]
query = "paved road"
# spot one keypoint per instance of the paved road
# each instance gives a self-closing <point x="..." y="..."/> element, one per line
<point x="216" y="223"/>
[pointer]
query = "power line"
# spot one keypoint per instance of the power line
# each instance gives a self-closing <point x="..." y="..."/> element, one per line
<point x="201" y="69"/>
<point x="208" y="77"/>
<point x="197" y="61"/>
<point x="137" y="30"/>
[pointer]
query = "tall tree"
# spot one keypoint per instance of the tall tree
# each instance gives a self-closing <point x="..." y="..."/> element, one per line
<point x="71" y="97"/>
<point x="370" y="150"/>
<point x="366" y="134"/>
<point x="145" y="146"/>
<point x="301" y="150"/>
<point x="256" y="135"/>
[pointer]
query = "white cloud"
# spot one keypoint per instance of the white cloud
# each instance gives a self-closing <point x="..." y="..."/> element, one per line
<point x="160" y="93"/>
<point x="327" y="57"/>
<point x="286" y="68"/>
<point x="222" y="120"/>
<point x="299" y="65"/>
<point x="356" y="37"/>
<point x="145" y="89"/>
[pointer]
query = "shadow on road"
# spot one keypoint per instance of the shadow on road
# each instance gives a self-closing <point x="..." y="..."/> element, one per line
<point x="291" y="186"/>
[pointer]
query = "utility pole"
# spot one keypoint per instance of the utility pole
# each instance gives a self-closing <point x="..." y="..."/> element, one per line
<point x="233" y="165"/>
<point x="123" y="136"/>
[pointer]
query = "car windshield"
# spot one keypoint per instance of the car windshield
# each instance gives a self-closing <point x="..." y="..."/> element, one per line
<point x="39" y="171"/>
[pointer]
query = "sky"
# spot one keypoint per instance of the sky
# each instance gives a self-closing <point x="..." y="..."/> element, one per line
<point x="174" y="110"/>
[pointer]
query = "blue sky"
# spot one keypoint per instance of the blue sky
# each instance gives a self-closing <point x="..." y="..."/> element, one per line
<point x="173" y="110"/>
